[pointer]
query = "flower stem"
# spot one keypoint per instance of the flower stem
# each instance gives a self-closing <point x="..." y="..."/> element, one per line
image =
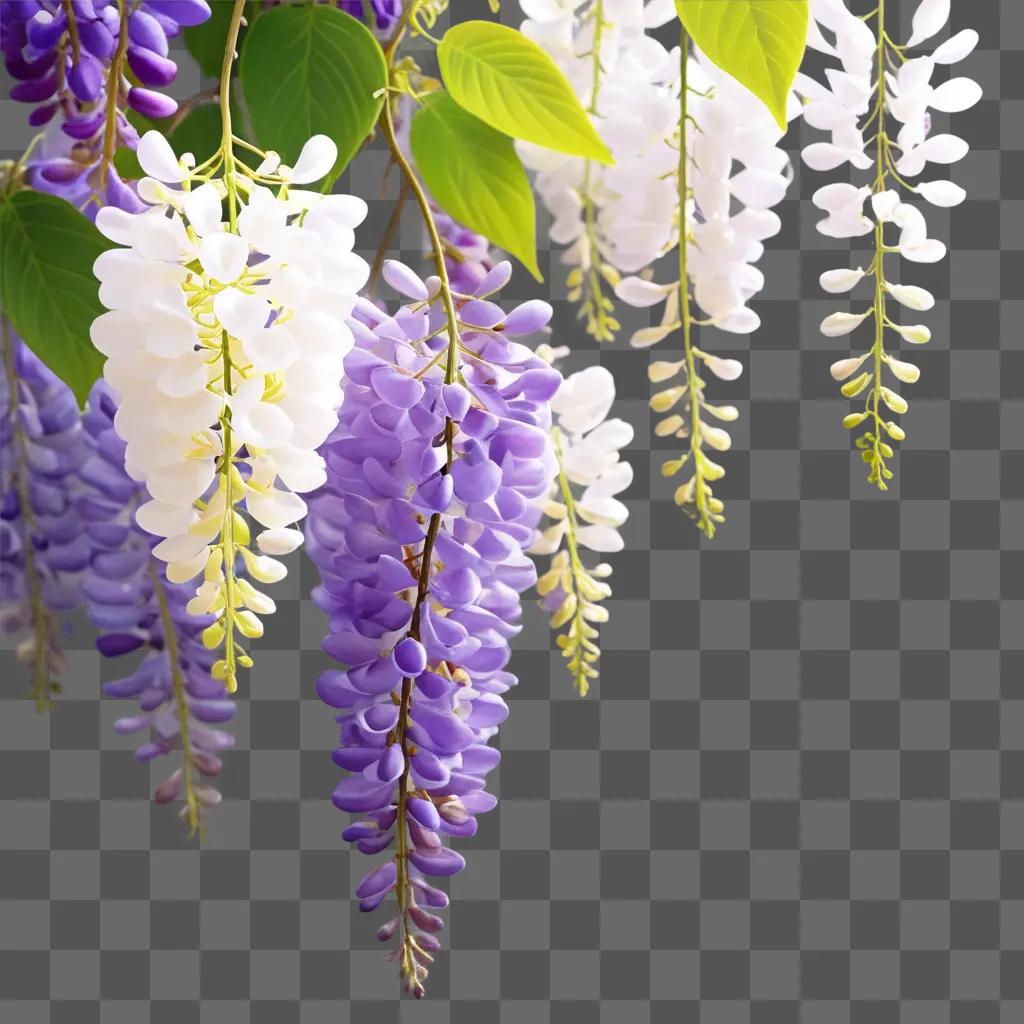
<point x="403" y="886"/>
<point x="226" y="145"/>
<point x="877" y="465"/>
<point x="192" y="814"/>
<point x="693" y="392"/>
<point x="40" y="615"/>
<point x="113" y="92"/>
<point x="577" y="663"/>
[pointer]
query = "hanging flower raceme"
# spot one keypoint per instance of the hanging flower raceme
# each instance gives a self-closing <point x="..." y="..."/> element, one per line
<point x="617" y="218"/>
<point x="82" y="64"/>
<point x="381" y="15"/>
<point x="880" y="85"/>
<point x="434" y="474"/>
<point x="136" y="608"/>
<point x="42" y="547"/>
<point x="225" y="345"/>
<point x="585" y="514"/>
<point x="730" y="173"/>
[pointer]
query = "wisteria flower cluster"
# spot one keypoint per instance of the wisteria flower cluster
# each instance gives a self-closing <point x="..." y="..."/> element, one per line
<point x="237" y="382"/>
<point x="881" y="85"/>
<point x="136" y="608"/>
<point x="42" y="547"/>
<point x="83" y="64"/>
<point x="584" y="513"/>
<point x="434" y="473"/>
<point x="615" y="219"/>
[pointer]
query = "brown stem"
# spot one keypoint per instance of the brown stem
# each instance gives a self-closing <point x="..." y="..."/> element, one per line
<point x="113" y="91"/>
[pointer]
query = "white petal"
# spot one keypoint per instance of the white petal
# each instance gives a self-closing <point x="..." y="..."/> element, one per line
<point x="182" y="548"/>
<point x="223" y="256"/>
<point x="157" y="158"/>
<point x="275" y="509"/>
<point x="941" y="193"/>
<point x="838" y="324"/>
<point x="929" y="17"/>
<point x="165" y="520"/>
<point x="300" y="469"/>
<point x="240" y="314"/>
<point x="928" y="250"/>
<point x="180" y="481"/>
<point x="266" y="426"/>
<point x="636" y="291"/>
<point x="911" y="296"/>
<point x="884" y="204"/>
<point x="116" y="224"/>
<point x="600" y="538"/>
<point x="956" y="95"/>
<point x="906" y="372"/>
<point x="315" y="161"/>
<point x="182" y="572"/>
<point x="279" y="541"/>
<point x="202" y="207"/>
<point x="183" y="376"/>
<point x="956" y="47"/>
<point x="916" y="334"/>
<point x="944" y="149"/>
<point x="271" y="349"/>
<point x="843" y="280"/>
<point x="723" y="369"/>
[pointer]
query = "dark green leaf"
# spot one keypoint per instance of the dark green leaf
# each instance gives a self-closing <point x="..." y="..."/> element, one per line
<point x="475" y="175"/>
<point x="509" y="82"/>
<point x="47" y="287"/>
<point x="311" y="70"/>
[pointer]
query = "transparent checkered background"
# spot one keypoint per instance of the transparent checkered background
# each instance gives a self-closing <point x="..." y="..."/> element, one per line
<point x="797" y="793"/>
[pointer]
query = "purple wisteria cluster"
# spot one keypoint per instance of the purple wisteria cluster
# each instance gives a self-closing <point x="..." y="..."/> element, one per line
<point x="136" y="608"/>
<point x="434" y="473"/>
<point x="72" y="61"/>
<point x="42" y="549"/>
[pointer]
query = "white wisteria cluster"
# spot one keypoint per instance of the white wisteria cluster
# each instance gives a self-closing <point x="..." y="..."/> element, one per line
<point x="224" y="343"/>
<point x="584" y="513"/>
<point x="880" y="84"/>
<point x="615" y="219"/>
<point x="730" y="172"/>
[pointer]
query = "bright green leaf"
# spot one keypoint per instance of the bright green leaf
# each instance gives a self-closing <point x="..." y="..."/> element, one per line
<point x="206" y="41"/>
<point x="510" y="83"/>
<point x="47" y="287"/>
<point x="475" y="175"/>
<point x="311" y="70"/>
<point x="759" y="42"/>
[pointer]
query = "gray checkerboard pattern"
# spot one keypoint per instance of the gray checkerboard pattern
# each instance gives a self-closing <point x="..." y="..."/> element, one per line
<point x="797" y="793"/>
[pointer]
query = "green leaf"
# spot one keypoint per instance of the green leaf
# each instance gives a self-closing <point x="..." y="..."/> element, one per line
<point x="510" y="83"/>
<point x="475" y="175"/>
<point x="47" y="287"/>
<point x="207" y="40"/>
<point x="759" y="42"/>
<point x="311" y="70"/>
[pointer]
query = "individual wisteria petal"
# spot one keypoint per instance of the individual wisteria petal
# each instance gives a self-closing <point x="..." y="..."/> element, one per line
<point x="880" y="89"/>
<point x="589" y="474"/>
<point x="419" y="535"/>
<point x="238" y="378"/>
<point x="135" y="606"/>
<point x="42" y="548"/>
